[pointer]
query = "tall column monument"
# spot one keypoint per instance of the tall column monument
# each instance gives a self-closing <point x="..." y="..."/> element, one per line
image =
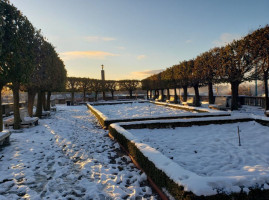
<point x="103" y="82"/>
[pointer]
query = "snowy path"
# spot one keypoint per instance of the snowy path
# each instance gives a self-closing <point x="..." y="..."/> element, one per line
<point x="68" y="157"/>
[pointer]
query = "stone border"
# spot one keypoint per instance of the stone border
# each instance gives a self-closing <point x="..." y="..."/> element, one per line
<point x="159" y="177"/>
<point x="105" y="122"/>
<point x="4" y="138"/>
<point x="115" y="102"/>
<point x="185" y="107"/>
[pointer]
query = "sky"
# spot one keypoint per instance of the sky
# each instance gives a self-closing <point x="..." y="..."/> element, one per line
<point x="136" y="38"/>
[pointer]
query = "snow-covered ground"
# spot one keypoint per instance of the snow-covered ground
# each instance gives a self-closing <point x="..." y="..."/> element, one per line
<point x="208" y="159"/>
<point x="214" y="150"/>
<point x="68" y="156"/>
<point x="135" y="110"/>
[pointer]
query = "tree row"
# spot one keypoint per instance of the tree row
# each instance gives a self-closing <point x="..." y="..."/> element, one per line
<point x="242" y="60"/>
<point x="85" y="85"/>
<point x="28" y="61"/>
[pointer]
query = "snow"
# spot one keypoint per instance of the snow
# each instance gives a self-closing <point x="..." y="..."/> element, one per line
<point x="179" y="106"/>
<point x="208" y="159"/>
<point x="137" y="110"/>
<point x="213" y="150"/>
<point x="68" y="156"/>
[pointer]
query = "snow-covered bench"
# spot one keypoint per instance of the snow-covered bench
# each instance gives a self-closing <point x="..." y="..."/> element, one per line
<point x="220" y="103"/>
<point x="266" y="113"/>
<point x="25" y="119"/>
<point x="160" y="98"/>
<point x="171" y="100"/>
<point x="189" y="102"/>
<point x="52" y="105"/>
<point x="45" y="113"/>
<point x="4" y="137"/>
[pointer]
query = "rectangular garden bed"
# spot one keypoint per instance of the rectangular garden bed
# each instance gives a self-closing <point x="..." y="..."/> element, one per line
<point x="137" y="111"/>
<point x="197" y="159"/>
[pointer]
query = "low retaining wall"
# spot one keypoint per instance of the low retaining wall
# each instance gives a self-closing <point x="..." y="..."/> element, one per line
<point x="183" y="122"/>
<point x="116" y="102"/>
<point x="4" y="138"/>
<point x="182" y="107"/>
<point x="105" y="122"/>
<point x="161" y="179"/>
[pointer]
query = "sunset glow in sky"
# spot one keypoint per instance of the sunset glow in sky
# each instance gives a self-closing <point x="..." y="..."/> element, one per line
<point x="135" y="38"/>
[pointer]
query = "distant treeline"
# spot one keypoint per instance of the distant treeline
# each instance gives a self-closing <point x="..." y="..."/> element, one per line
<point x="84" y="85"/>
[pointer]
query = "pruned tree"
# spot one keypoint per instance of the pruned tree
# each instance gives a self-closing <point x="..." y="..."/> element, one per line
<point x="17" y="54"/>
<point x="182" y="72"/>
<point x="72" y="85"/>
<point x="259" y="48"/>
<point x="196" y="78"/>
<point x="96" y="86"/>
<point x="145" y="84"/>
<point x="85" y="86"/>
<point x="58" y="78"/>
<point x="111" y="86"/>
<point x="3" y="67"/>
<point x="209" y="62"/>
<point x="129" y="85"/>
<point x="236" y="66"/>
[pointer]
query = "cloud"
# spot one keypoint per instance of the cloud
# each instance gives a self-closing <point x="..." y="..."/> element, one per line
<point x="98" y="39"/>
<point x="188" y="41"/>
<point x="72" y="55"/>
<point x="145" y="74"/>
<point x="141" y="57"/>
<point x="225" y="39"/>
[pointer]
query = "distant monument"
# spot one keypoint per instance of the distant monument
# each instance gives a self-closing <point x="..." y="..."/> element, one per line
<point x="103" y="82"/>
<point x="103" y="73"/>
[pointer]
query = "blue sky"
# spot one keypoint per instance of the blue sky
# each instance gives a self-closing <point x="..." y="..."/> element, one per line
<point x="134" y="38"/>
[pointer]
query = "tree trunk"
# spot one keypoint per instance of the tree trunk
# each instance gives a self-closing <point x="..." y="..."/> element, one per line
<point x="176" y="97"/>
<point x="131" y="94"/>
<point x="147" y="94"/>
<point x="16" y="98"/>
<point x="112" y="94"/>
<point x="44" y="100"/>
<point x="185" y="95"/>
<point x="72" y="98"/>
<point x="96" y="95"/>
<point x="104" y="95"/>
<point x="1" y="110"/>
<point x="162" y="94"/>
<point x="31" y="101"/>
<point x="265" y="80"/>
<point x="197" y="96"/>
<point x="168" y="94"/>
<point x="84" y="95"/>
<point x="38" y="112"/>
<point x="234" y="88"/>
<point x="150" y="94"/>
<point x="210" y="93"/>
<point x="48" y="100"/>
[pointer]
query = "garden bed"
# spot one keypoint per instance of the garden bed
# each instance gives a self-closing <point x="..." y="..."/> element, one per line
<point x="199" y="162"/>
<point x="108" y="114"/>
